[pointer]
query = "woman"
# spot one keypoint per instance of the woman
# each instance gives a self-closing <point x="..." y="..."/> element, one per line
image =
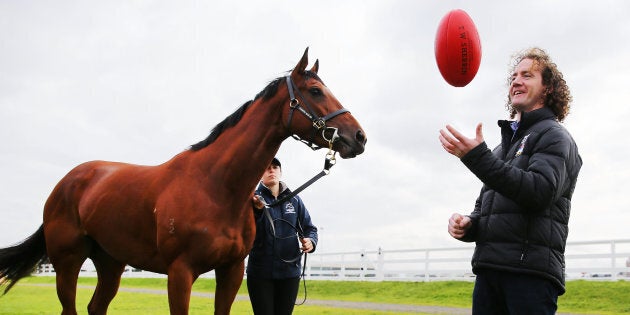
<point x="286" y="230"/>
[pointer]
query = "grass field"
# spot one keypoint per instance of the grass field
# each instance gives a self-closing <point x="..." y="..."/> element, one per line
<point x="36" y="295"/>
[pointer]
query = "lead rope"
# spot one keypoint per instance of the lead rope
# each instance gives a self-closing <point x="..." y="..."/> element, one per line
<point x="303" y="281"/>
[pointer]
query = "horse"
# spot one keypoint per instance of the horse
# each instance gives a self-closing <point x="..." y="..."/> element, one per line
<point x="185" y="217"/>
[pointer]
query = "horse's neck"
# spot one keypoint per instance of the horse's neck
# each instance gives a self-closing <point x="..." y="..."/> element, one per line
<point x="237" y="159"/>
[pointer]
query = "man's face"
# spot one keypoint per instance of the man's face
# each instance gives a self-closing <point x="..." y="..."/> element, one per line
<point x="272" y="175"/>
<point x="527" y="90"/>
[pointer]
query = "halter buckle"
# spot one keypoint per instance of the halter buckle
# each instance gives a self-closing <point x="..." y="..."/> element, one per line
<point x="319" y="124"/>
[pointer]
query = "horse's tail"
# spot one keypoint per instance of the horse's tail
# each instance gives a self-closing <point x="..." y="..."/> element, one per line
<point x="19" y="261"/>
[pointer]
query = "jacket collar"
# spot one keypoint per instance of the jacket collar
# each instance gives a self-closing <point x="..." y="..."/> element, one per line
<point x="283" y="188"/>
<point x="528" y="119"/>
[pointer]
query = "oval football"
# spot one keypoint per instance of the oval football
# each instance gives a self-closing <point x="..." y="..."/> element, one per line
<point x="457" y="48"/>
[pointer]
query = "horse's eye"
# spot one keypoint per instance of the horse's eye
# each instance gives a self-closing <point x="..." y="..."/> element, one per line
<point x="315" y="91"/>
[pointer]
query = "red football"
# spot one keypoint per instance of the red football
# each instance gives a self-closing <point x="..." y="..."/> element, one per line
<point x="457" y="48"/>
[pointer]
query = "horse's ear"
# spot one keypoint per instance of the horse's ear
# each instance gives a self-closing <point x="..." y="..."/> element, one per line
<point x="301" y="66"/>
<point x="315" y="66"/>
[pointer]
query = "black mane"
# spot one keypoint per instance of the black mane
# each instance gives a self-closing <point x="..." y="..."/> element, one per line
<point x="230" y="121"/>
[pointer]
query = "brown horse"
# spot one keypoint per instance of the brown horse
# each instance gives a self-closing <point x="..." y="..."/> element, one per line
<point x="187" y="216"/>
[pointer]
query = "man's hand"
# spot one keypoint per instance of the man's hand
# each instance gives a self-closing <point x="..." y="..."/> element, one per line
<point x="456" y="144"/>
<point x="458" y="224"/>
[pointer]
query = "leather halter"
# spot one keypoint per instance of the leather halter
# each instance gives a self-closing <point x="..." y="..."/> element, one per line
<point x="319" y="123"/>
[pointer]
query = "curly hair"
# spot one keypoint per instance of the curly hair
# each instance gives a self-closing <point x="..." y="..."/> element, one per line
<point x="558" y="97"/>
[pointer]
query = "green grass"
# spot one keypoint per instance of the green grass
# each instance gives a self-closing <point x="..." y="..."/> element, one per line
<point x="36" y="295"/>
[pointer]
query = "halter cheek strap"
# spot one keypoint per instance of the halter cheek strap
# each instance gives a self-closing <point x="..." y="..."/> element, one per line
<point x="319" y="123"/>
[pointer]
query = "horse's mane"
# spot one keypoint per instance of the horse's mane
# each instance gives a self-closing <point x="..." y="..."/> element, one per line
<point x="230" y="121"/>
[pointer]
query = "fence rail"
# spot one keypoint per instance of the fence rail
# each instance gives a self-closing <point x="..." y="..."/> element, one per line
<point x="590" y="260"/>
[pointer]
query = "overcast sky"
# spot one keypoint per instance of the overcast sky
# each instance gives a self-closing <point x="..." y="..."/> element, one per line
<point x="140" y="81"/>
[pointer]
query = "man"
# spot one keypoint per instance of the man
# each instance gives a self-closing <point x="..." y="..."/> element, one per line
<point x="274" y="266"/>
<point x="520" y="219"/>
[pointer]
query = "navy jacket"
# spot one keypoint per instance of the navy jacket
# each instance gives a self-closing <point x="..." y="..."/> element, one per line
<point x="279" y="257"/>
<point x="520" y="220"/>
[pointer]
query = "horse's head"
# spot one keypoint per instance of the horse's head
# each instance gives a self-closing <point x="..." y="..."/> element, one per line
<point x="316" y="117"/>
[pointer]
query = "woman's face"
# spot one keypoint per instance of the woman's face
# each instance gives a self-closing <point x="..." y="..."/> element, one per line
<point x="272" y="175"/>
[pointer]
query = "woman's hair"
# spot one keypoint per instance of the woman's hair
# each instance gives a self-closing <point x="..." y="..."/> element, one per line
<point x="557" y="96"/>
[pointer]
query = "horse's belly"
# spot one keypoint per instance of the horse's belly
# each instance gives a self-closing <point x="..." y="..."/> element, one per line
<point x="127" y="236"/>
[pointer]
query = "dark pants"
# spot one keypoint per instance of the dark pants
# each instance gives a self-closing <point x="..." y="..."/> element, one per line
<point x="272" y="297"/>
<point x="499" y="292"/>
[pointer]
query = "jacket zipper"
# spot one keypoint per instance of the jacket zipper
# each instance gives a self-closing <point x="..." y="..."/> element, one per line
<point x="525" y="243"/>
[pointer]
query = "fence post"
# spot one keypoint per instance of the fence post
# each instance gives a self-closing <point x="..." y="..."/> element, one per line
<point x="362" y="265"/>
<point x="613" y="259"/>
<point x="379" y="264"/>
<point x="426" y="266"/>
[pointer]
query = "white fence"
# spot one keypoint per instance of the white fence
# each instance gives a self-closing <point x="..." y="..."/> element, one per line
<point x="592" y="260"/>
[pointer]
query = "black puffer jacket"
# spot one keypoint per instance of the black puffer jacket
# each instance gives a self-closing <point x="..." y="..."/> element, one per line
<point x="520" y="220"/>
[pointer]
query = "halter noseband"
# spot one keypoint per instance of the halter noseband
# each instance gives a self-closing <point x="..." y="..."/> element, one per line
<point x="319" y="123"/>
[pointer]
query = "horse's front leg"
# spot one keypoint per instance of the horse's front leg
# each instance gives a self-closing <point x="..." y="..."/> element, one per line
<point x="229" y="279"/>
<point x="180" y="281"/>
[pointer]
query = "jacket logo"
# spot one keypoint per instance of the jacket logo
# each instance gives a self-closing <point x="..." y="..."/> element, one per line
<point x="289" y="209"/>
<point x="521" y="147"/>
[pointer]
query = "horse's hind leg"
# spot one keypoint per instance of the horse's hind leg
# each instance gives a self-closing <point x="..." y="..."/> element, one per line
<point x="67" y="275"/>
<point x="67" y="254"/>
<point x="229" y="279"/>
<point x="109" y="271"/>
